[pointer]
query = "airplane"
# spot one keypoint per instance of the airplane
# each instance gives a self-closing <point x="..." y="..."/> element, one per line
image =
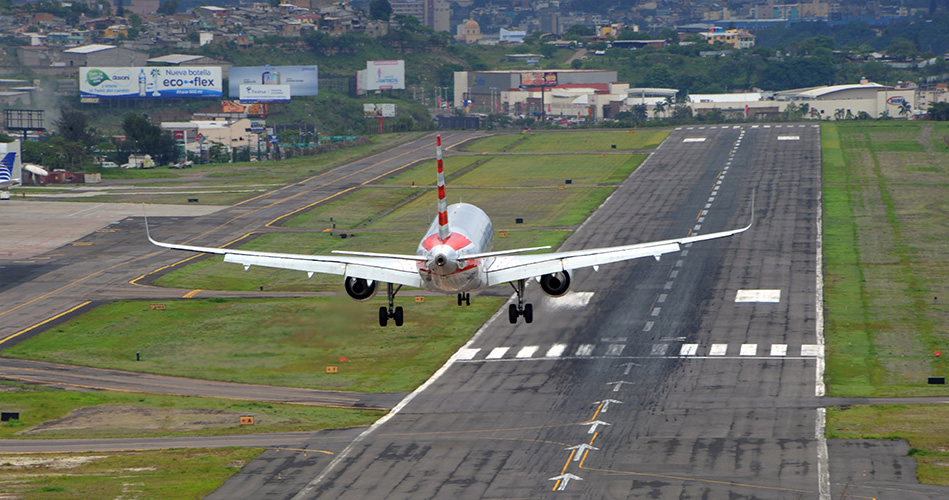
<point x="6" y="171"/>
<point x="454" y="257"/>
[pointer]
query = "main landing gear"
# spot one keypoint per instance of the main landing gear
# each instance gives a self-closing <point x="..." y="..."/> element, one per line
<point x="464" y="298"/>
<point x="391" y="312"/>
<point x="521" y="309"/>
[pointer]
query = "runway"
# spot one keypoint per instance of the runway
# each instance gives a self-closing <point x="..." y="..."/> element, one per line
<point x="697" y="376"/>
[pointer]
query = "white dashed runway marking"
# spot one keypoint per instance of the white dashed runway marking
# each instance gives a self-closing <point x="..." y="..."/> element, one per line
<point x="658" y="350"/>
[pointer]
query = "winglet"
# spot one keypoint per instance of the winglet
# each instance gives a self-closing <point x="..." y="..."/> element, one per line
<point x="147" y="233"/>
<point x="443" y="231"/>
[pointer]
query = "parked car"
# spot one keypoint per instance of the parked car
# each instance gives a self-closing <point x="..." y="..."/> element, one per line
<point x="108" y="164"/>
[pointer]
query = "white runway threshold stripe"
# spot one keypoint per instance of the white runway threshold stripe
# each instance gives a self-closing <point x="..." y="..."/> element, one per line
<point x="633" y="351"/>
<point x="758" y="296"/>
<point x="694" y="139"/>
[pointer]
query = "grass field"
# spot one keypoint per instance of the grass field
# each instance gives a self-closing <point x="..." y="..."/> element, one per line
<point x="221" y="184"/>
<point x="142" y="475"/>
<point x="886" y="280"/>
<point x="887" y="272"/>
<point x="47" y="413"/>
<point x="275" y="342"/>
<point x="922" y="425"/>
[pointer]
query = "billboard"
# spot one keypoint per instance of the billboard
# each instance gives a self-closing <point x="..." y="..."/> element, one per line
<point x="379" y="110"/>
<point x="150" y="82"/>
<point x="385" y="75"/>
<point x="303" y="80"/>
<point x="534" y="78"/>
<point x="264" y="93"/>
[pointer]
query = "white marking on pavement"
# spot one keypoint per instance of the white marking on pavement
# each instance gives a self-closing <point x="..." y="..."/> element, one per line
<point x="656" y="310"/>
<point x="571" y="300"/>
<point x="464" y="353"/>
<point x="718" y="350"/>
<point x="497" y="353"/>
<point x="812" y="350"/>
<point x="758" y="296"/>
<point x="779" y="349"/>
<point x="659" y="349"/>
<point x="556" y="351"/>
<point x="688" y="349"/>
<point x="585" y="350"/>
<point x="526" y="351"/>
<point x="649" y="325"/>
<point x="615" y="349"/>
<point x="748" y="350"/>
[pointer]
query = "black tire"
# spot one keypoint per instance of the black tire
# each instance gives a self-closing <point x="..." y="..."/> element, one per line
<point x="459" y="299"/>
<point x="467" y="299"/>
<point x="528" y="313"/>
<point x="383" y="316"/>
<point x="512" y="314"/>
<point x="398" y="316"/>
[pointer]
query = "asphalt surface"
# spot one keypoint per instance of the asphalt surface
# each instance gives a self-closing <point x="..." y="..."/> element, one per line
<point x="649" y="380"/>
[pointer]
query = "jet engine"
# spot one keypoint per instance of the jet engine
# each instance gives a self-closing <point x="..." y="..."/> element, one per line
<point x="360" y="289"/>
<point x="555" y="284"/>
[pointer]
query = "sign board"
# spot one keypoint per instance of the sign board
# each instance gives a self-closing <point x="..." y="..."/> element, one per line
<point x="264" y="93"/>
<point x="534" y="78"/>
<point x="303" y="80"/>
<point x="386" y="110"/>
<point x="385" y="75"/>
<point x="257" y="126"/>
<point x="150" y="82"/>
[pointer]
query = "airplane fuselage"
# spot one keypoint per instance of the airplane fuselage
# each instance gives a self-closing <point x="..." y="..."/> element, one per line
<point x="445" y="269"/>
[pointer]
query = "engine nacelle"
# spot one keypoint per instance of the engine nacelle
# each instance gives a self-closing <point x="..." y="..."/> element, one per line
<point x="555" y="284"/>
<point x="360" y="289"/>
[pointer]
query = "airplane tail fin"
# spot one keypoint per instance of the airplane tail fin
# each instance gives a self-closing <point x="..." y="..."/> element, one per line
<point x="6" y="167"/>
<point x="443" y="231"/>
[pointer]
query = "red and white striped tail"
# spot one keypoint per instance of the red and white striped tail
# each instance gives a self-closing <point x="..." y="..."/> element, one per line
<point x="443" y="231"/>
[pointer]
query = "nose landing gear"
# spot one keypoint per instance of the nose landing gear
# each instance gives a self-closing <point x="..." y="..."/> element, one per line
<point x="464" y="298"/>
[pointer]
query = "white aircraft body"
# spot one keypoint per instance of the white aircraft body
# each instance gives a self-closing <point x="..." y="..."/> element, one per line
<point x="6" y="171"/>
<point x="454" y="257"/>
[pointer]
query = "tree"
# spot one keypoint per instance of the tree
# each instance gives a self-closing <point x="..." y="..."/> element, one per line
<point x="660" y="108"/>
<point x="939" y="111"/>
<point x="73" y="126"/>
<point x="905" y="109"/>
<point x="150" y="139"/>
<point x="380" y="9"/>
<point x="168" y="7"/>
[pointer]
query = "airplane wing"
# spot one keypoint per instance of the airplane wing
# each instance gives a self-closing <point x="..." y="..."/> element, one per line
<point x="395" y="269"/>
<point x="518" y="267"/>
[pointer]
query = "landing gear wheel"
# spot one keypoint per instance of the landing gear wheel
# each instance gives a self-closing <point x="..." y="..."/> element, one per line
<point x="464" y="298"/>
<point x="459" y="299"/>
<point x="512" y="314"/>
<point x="383" y="316"/>
<point x="528" y="313"/>
<point x="467" y="299"/>
<point x="398" y="316"/>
